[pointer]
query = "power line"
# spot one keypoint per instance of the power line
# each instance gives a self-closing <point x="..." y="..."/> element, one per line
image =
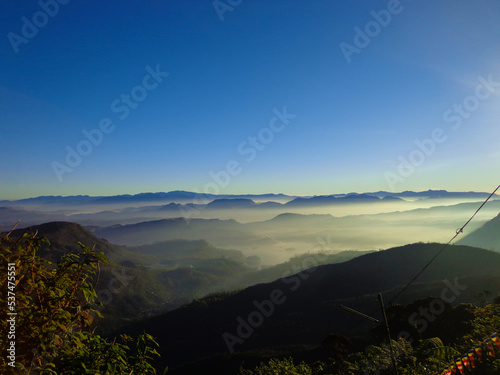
<point x="458" y="232"/>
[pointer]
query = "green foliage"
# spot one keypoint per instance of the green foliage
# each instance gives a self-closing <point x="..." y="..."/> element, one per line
<point x="422" y="357"/>
<point x="55" y="306"/>
<point x="434" y="354"/>
<point x="486" y="320"/>
<point x="94" y="355"/>
<point x="279" y="367"/>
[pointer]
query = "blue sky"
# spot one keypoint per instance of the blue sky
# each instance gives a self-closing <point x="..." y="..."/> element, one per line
<point x="350" y="125"/>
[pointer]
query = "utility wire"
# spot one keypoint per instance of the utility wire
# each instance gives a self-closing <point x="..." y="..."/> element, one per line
<point x="458" y="232"/>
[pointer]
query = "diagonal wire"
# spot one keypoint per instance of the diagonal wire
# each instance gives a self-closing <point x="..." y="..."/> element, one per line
<point x="458" y="232"/>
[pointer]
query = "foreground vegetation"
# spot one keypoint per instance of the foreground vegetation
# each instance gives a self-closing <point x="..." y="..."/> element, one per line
<point x="56" y="304"/>
<point x="420" y="357"/>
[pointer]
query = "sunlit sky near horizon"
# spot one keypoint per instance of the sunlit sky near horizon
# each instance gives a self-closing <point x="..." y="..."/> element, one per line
<point x="345" y="125"/>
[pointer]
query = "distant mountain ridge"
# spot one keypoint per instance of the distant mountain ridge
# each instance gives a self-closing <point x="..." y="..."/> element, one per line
<point x="181" y="195"/>
<point x="322" y="200"/>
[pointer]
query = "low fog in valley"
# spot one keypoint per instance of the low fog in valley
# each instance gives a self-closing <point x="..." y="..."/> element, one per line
<point x="272" y="227"/>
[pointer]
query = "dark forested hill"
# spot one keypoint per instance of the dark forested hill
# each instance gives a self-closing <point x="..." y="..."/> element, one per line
<point x="302" y="309"/>
<point x="64" y="238"/>
<point x="142" y="280"/>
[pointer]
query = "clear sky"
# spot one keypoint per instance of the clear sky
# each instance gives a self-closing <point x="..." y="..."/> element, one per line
<point x="298" y="97"/>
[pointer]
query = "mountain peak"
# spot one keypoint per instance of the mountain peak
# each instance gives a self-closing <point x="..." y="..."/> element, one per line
<point x="64" y="238"/>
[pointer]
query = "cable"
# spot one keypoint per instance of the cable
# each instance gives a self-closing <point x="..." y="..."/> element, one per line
<point x="458" y="232"/>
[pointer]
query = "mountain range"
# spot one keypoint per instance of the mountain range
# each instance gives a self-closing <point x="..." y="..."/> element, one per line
<point x="184" y="196"/>
<point x="163" y="275"/>
<point x="250" y="311"/>
<point x="296" y="312"/>
<point x="217" y="291"/>
<point x="154" y="278"/>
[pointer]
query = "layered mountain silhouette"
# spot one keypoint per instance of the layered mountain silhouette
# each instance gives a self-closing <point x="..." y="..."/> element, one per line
<point x="162" y="262"/>
<point x="181" y="195"/>
<point x="147" y="279"/>
<point x="306" y="304"/>
<point x="323" y="200"/>
<point x="213" y="230"/>
<point x="295" y="312"/>
<point x="177" y="195"/>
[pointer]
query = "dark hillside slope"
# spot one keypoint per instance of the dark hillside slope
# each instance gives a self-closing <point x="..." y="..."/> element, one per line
<point x="139" y="281"/>
<point x="64" y="238"/>
<point x="297" y="264"/>
<point x="306" y="304"/>
<point x="184" y="249"/>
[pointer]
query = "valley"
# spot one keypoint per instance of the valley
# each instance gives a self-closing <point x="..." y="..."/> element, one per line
<point x="214" y="287"/>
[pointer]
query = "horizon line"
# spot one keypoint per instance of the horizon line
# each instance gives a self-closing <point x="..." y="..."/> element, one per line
<point x="238" y="194"/>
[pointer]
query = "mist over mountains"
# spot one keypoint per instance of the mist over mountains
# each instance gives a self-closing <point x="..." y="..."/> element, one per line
<point x="273" y="227"/>
<point x="226" y="182"/>
<point x="193" y="273"/>
<point x="309" y="301"/>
